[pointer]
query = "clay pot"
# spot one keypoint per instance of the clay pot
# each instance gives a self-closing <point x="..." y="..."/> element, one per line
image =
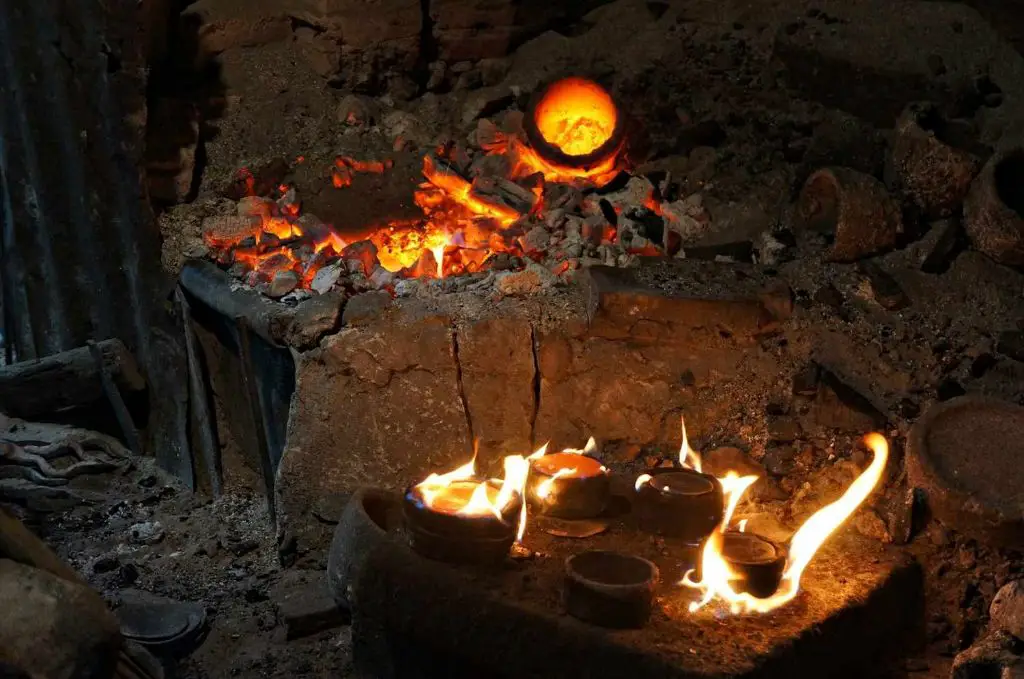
<point x="610" y="589"/>
<point x="680" y="503"/>
<point x="994" y="209"/>
<point x="364" y="524"/>
<point x="854" y="208"/>
<point x="928" y="164"/>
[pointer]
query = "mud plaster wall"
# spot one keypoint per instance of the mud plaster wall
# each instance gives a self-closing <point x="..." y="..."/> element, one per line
<point x="388" y="402"/>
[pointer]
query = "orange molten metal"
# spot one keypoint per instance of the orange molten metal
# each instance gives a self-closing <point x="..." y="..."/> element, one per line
<point x="577" y="116"/>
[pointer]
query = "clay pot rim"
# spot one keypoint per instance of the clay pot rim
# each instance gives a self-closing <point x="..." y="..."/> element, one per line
<point x="418" y="515"/>
<point x="543" y="473"/>
<point x="646" y="583"/>
<point x="959" y="506"/>
<point x="658" y="471"/>
<point x="781" y="553"/>
<point x="554" y="154"/>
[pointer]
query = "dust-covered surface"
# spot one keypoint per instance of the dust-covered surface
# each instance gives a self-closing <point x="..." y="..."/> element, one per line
<point x="145" y="532"/>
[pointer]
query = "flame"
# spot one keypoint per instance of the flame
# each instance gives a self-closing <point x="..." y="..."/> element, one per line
<point x="544" y="487"/>
<point x="717" y="576"/>
<point x="576" y="115"/>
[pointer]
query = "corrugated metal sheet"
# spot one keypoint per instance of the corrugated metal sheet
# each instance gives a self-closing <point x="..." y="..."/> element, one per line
<point x="80" y="247"/>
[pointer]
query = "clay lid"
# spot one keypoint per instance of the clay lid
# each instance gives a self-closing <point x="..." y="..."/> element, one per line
<point x="967" y="454"/>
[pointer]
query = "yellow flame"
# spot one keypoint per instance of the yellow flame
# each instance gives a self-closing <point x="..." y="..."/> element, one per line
<point x="688" y="457"/>
<point x="733" y="487"/>
<point x="741" y="525"/>
<point x="717" y="577"/>
<point x="544" y="487"/>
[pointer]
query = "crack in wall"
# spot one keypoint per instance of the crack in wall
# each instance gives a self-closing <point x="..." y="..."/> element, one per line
<point x="462" y="387"/>
<point x="536" y="387"/>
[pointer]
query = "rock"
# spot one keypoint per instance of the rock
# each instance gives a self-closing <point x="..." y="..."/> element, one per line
<point x="146" y="533"/>
<point x="536" y="239"/>
<point x="358" y="110"/>
<point x="884" y="288"/>
<point x="53" y="627"/>
<point x="219" y="26"/>
<point x="530" y="280"/>
<point x="805" y="382"/>
<point x="943" y="242"/>
<point x="842" y="140"/>
<point x="779" y="460"/>
<point x="378" y="39"/>
<point x="839" y="405"/>
<point x="365" y="307"/>
<point x="283" y="283"/>
<point x="725" y="459"/>
<point x="486" y="102"/>
<point x="996" y="655"/>
<point x="823" y="487"/>
<point x="404" y="126"/>
<point x="929" y="163"/>
<point x="305" y="604"/>
<point x="326" y="277"/>
<point x="870" y="524"/>
<point x="783" y="429"/>
<point x="994" y="209"/>
<point x="313" y="318"/>
<point x="1007" y="610"/>
<point x="828" y="295"/>
<point x="963" y="455"/>
<point x="255" y="206"/>
<point x="105" y="563"/>
<point x="853" y="208"/>
<point x="1011" y="344"/>
<point x="230" y="228"/>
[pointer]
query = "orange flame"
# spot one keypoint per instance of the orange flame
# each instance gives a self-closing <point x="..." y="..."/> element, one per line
<point x="717" y="577"/>
<point x="446" y="492"/>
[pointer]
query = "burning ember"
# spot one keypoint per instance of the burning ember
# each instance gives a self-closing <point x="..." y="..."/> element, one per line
<point x="718" y="577"/>
<point x="573" y="136"/>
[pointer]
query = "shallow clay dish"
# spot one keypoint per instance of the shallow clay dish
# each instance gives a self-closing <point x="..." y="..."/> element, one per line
<point x="968" y="456"/>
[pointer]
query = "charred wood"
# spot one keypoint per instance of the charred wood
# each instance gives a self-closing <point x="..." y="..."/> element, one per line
<point x="68" y="379"/>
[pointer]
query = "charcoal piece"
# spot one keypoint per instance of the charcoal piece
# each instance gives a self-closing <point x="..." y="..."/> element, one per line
<point x="609" y="212"/>
<point x="886" y="291"/>
<point x="948" y="241"/>
<point x="652" y="225"/>
<point x="853" y="209"/>
<point x="964" y="454"/>
<point x="930" y="164"/>
<point x="994" y="208"/>
<point x="261" y="180"/>
<point x="805" y="382"/>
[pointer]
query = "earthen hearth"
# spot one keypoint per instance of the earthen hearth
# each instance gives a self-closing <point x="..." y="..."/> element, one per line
<point x="513" y="339"/>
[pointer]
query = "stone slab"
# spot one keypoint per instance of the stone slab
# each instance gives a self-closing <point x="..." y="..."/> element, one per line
<point x="459" y="622"/>
<point x="378" y="405"/>
<point x="305" y="604"/>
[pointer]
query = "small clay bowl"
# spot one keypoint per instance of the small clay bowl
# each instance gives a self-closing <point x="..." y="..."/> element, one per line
<point x="680" y="503"/>
<point x="758" y="560"/>
<point x="581" y="496"/>
<point x="610" y="589"/>
<point x="448" y="536"/>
